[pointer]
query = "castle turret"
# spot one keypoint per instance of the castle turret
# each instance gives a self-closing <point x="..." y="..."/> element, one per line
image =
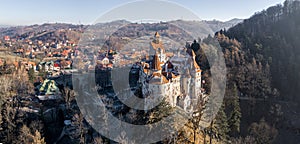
<point x="157" y="47"/>
<point x="186" y="79"/>
<point x="156" y="38"/>
<point x="156" y="64"/>
<point x="196" y="73"/>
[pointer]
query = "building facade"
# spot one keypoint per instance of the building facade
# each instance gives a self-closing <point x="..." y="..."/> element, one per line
<point x="176" y="78"/>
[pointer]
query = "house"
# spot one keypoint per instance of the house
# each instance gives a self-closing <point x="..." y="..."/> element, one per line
<point x="27" y="52"/>
<point x="7" y="38"/>
<point x="65" y="53"/>
<point x="19" y="51"/>
<point x="50" y="65"/>
<point x="56" y="66"/>
<point x="47" y="66"/>
<point x="30" y="65"/>
<point x="66" y="64"/>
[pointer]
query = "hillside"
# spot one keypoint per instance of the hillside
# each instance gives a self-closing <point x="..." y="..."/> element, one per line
<point x="265" y="67"/>
<point x="272" y="36"/>
<point x="206" y="27"/>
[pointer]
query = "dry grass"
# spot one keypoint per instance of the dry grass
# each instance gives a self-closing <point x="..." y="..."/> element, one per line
<point x="9" y="58"/>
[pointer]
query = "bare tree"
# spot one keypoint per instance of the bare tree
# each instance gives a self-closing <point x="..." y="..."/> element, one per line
<point x="6" y="87"/>
<point x="27" y="136"/>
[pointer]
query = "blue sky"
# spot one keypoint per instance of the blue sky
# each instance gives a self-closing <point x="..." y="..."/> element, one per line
<point x="26" y="12"/>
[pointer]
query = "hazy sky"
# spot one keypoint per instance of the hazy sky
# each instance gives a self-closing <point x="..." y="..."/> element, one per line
<point x="26" y="12"/>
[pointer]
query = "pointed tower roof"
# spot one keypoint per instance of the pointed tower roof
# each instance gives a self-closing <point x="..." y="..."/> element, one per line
<point x="156" y="35"/>
<point x="157" y="43"/>
<point x="195" y="64"/>
<point x="193" y="53"/>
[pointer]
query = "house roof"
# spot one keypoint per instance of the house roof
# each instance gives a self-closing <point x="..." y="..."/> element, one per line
<point x="49" y="87"/>
<point x="158" y="79"/>
<point x="175" y="76"/>
<point x="16" y="64"/>
<point x="31" y="63"/>
<point x="68" y="62"/>
<point x="146" y="70"/>
<point x="56" y="65"/>
<point x="165" y="80"/>
<point x="193" y="53"/>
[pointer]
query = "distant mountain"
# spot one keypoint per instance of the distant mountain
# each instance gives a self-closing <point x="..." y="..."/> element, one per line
<point x="116" y="22"/>
<point x="204" y="28"/>
<point x="195" y="28"/>
<point x="216" y="25"/>
<point x="4" y="26"/>
<point x="234" y="21"/>
<point x="199" y="28"/>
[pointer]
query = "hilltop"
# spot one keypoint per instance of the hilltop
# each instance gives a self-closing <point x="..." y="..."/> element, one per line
<point x="21" y="30"/>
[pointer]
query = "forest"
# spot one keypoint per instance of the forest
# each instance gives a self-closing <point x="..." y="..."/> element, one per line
<point x="263" y="66"/>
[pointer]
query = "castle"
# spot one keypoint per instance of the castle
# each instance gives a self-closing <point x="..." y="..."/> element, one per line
<point x="176" y="78"/>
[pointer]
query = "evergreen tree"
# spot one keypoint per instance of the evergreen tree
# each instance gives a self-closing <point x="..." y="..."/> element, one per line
<point x="31" y="75"/>
<point x="219" y="126"/>
<point x="235" y="115"/>
<point x="42" y="72"/>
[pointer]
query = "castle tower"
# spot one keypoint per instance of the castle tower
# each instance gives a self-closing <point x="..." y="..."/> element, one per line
<point x="156" y="63"/>
<point x="196" y="74"/>
<point x="177" y="78"/>
<point x="156" y="37"/>
<point x="157" y="47"/>
<point x="186" y="81"/>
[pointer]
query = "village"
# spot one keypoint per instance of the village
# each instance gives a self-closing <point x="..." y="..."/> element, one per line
<point x="49" y="60"/>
